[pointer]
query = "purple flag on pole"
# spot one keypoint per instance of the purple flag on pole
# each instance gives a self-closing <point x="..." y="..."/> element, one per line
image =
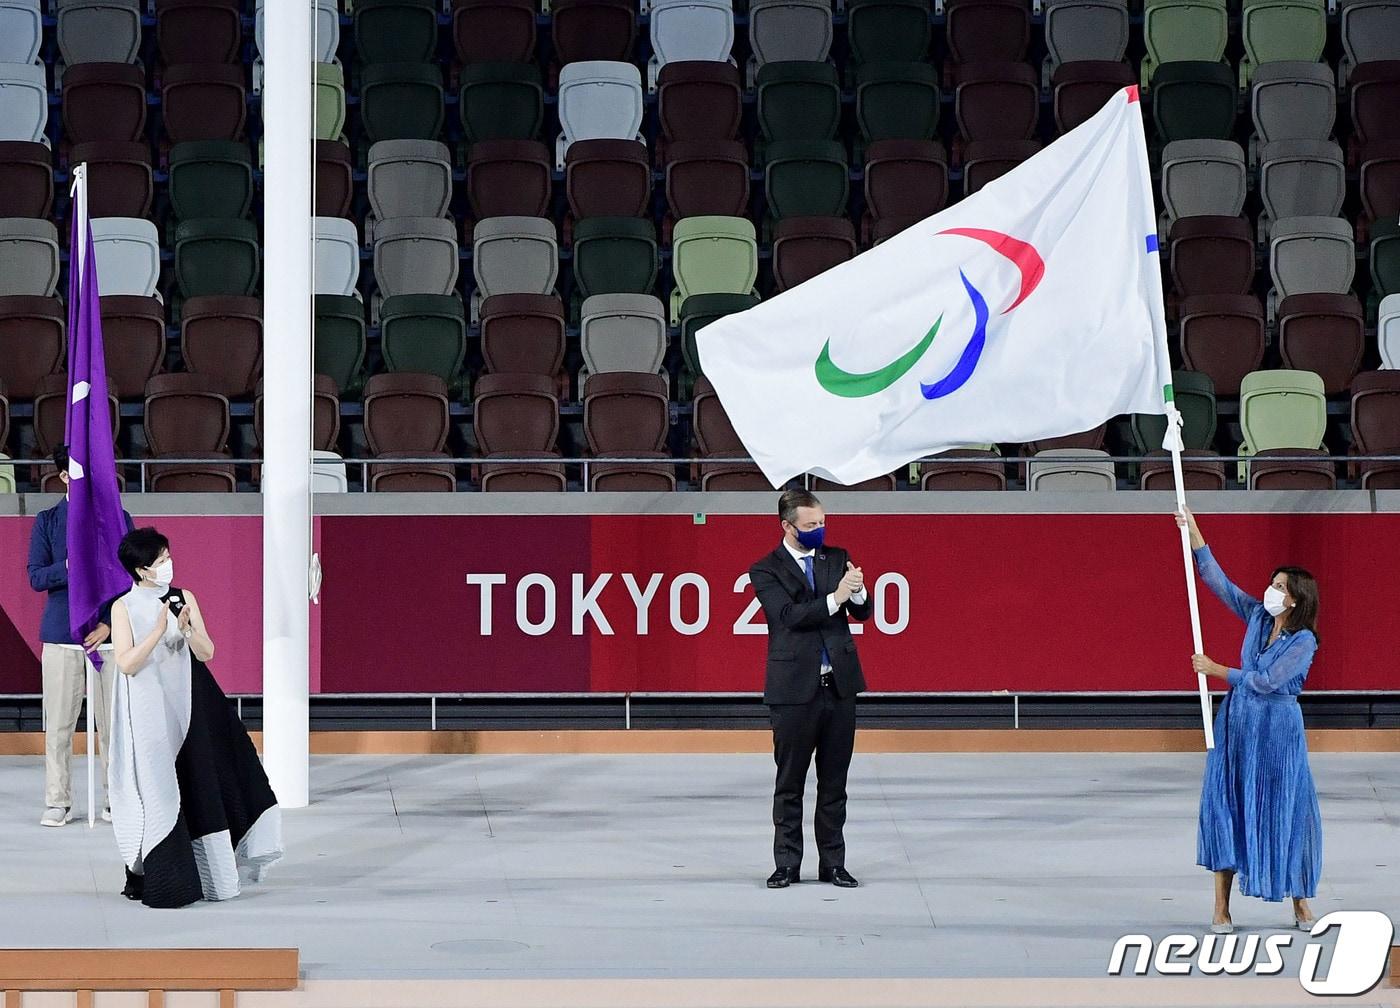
<point x="95" y="521"/>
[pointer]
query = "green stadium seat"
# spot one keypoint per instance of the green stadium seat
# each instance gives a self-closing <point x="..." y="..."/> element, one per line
<point x="1183" y="31"/>
<point x="712" y="255"/>
<point x="614" y="255"/>
<point x="501" y="101"/>
<point x="798" y="101"/>
<point x="401" y="101"/>
<point x="897" y="101"/>
<point x="696" y="313"/>
<point x="340" y="341"/>
<point x="216" y="256"/>
<point x="330" y="101"/>
<point x="1194" y="101"/>
<point x="888" y="30"/>
<point x="211" y="178"/>
<point x="1281" y="409"/>
<point x="806" y="178"/>
<point x="425" y="333"/>
<point x="396" y="31"/>
<point x="1194" y="394"/>
<point x="1275" y="31"/>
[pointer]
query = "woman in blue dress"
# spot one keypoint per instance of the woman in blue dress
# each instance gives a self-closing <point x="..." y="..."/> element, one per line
<point x="1259" y="814"/>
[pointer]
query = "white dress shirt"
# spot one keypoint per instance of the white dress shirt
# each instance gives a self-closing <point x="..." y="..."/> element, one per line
<point x="800" y="556"/>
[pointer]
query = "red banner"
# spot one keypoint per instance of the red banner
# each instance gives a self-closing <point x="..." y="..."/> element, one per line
<point x="612" y="603"/>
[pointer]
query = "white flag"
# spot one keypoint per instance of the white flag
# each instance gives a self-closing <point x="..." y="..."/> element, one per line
<point x="1031" y="309"/>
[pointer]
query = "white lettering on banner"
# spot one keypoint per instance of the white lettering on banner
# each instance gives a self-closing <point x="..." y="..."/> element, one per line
<point x="900" y="584"/>
<point x="1357" y="963"/>
<point x="702" y="618"/>
<point x="586" y="604"/>
<point x="642" y="599"/>
<point x="744" y="626"/>
<point x="486" y="581"/>
<point x="688" y="596"/>
<point x="522" y="602"/>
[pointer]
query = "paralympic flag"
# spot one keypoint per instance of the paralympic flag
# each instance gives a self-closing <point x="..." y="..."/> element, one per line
<point x="95" y="520"/>
<point x="1031" y="309"/>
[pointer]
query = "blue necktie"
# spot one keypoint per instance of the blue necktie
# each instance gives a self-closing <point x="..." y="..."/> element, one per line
<point x="812" y="584"/>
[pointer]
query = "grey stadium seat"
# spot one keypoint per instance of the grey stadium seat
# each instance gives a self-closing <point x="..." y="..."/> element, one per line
<point x="415" y="255"/>
<point x="622" y="332"/>
<point x="28" y="257"/>
<point x="1078" y="30"/>
<point x="1370" y="31"/>
<point x="99" y="31"/>
<point x="128" y="256"/>
<point x="1301" y="178"/>
<point x="1203" y="178"/>
<point x="21" y="31"/>
<point x="24" y="102"/>
<point x="410" y="178"/>
<point x="337" y="256"/>
<point x="683" y="30"/>
<point x="784" y="30"/>
<point x="1293" y="101"/>
<point x="1312" y="255"/>
<point x="1051" y="470"/>
<point x="598" y="100"/>
<point x="515" y="255"/>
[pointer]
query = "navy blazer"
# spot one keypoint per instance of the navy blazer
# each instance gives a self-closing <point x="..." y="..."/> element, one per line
<point x="799" y="626"/>
<point x="48" y="572"/>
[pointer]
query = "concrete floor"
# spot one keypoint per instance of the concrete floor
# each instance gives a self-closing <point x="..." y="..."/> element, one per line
<point x="494" y="868"/>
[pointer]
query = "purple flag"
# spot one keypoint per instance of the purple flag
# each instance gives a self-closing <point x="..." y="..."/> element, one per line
<point x="95" y="521"/>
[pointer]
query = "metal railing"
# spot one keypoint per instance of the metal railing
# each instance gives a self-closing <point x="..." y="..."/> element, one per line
<point x="586" y="463"/>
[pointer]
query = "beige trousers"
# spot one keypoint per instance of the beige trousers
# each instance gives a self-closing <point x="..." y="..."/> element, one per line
<point x="65" y="687"/>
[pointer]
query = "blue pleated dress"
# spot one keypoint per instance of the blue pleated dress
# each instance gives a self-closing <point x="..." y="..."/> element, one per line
<point x="1259" y="812"/>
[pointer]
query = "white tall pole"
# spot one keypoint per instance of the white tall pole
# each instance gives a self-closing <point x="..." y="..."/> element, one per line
<point x="1175" y="446"/>
<point x="287" y="320"/>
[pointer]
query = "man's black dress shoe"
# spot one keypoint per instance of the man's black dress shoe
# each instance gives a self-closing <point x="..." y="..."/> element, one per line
<point x="783" y="877"/>
<point x="838" y="877"/>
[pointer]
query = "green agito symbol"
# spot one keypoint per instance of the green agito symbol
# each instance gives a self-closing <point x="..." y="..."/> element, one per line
<point x="857" y="386"/>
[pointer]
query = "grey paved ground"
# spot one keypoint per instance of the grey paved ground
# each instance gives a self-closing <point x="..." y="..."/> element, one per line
<point x="457" y="867"/>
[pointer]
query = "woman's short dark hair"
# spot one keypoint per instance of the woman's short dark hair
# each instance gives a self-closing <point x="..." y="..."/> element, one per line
<point x="1303" y="587"/>
<point x="60" y="458"/>
<point x="793" y="499"/>
<point x="139" y="548"/>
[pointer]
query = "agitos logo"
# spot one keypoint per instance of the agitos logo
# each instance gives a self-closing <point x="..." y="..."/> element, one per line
<point x="1358" y="961"/>
<point x="851" y="385"/>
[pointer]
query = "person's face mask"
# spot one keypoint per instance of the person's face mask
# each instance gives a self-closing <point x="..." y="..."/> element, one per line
<point x="162" y="573"/>
<point x="812" y="538"/>
<point x="1274" y="601"/>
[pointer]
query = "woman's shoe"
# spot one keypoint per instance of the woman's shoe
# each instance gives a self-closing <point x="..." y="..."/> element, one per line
<point x="1227" y="928"/>
<point x="1304" y="925"/>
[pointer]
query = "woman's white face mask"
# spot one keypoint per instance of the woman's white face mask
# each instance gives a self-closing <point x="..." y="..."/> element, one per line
<point x="1275" y="601"/>
<point x="162" y="573"/>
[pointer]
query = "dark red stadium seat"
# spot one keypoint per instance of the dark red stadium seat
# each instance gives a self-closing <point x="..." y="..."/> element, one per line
<point x="509" y="178"/>
<point x="212" y="476"/>
<point x="1079" y="89"/>
<point x="875" y="483"/>
<point x="965" y="469"/>
<point x="1375" y="95"/>
<point x="413" y="476"/>
<point x="905" y="181"/>
<point x="32" y="342"/>
<point x="104" y="101"/>
<point x="707" y="177"/>
<point x="699" y="100"/>
<point x="1222" y="335"/>
<point x="120" y="177"/>
<point x="4" y="419"/>
<point x="523" y="334"/>
<point x="1212" y="255"/>
<point x="1325" y="333"/>
<point x="594" y="30"/>
<point x="520" y="477"/>
<point x="806" y="246"/>
<point x="133" y="336"/>
<point x="1090" y="440"/>
<point x="198" y="31"/>
<point x="1269" y="473"/>
<point x="26" y="180"/>
<point x="1200" y="470"/>
<point x="406" y="412"/>
<point x="1375" y="426"/>
<point x="997" y="101"/>
<point x="627" y="414"/>
<point x="981" y="30"/>
<point x="607" y="178"/>
<point x="515" y="412"/>
<point x="185" y="413"/>
<point x="204" y="101"/>
<point x="334" y="186"/>
<point x="494" y="31"/>
<point x="325" y="414"/>
<point x="221" y="338"/>
<point x="987" y="160"/>
<point x="715" y="438"/>
<point x="51" y="410"/>
<point x="1380" y="179"/>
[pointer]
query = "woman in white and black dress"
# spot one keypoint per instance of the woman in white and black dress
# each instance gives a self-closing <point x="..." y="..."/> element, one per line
<point x="192" y="810"/>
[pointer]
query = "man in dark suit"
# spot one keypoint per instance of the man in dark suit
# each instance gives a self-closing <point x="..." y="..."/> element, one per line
<point x="807" y="590"/>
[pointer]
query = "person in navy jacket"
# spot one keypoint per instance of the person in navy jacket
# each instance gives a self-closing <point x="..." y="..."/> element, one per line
<point x="62" y="660"/>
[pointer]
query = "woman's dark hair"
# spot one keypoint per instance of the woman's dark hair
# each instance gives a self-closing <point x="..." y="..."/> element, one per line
<point x="1303" y="587"/>
<point x="139" y="548"/>
<point x="60" y="458"/>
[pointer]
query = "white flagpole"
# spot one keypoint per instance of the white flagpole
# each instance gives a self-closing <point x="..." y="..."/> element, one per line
<point x="1173" y="444"/>
<point x="90" y="674"/>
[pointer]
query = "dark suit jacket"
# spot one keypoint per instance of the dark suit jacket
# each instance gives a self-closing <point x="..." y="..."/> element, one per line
<point x="799" y="626"/>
